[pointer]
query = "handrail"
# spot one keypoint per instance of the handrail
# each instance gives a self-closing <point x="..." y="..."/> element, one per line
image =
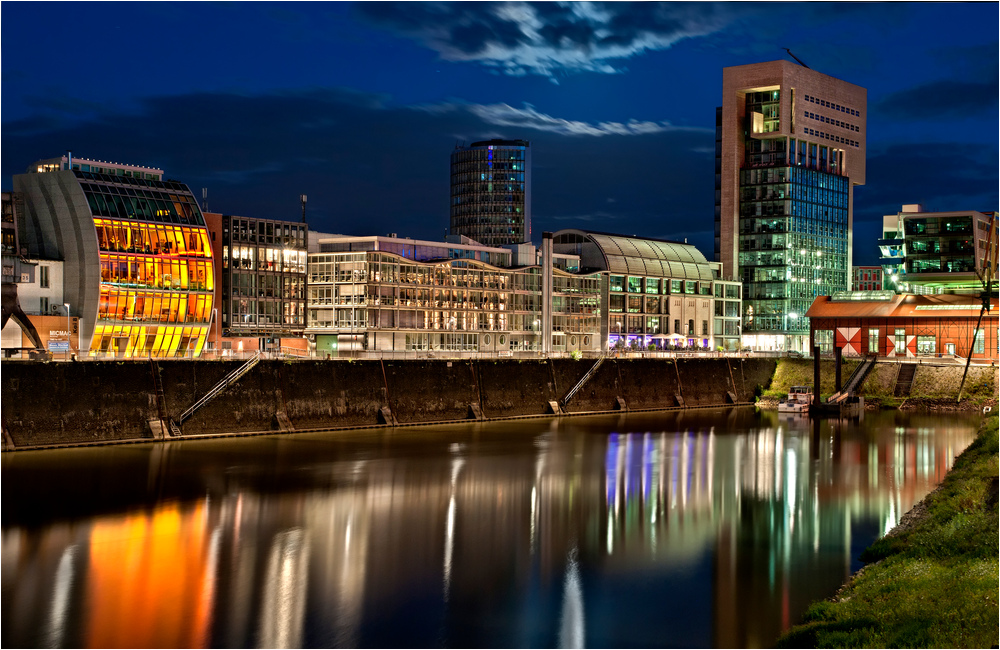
<point x="221" y="386"/>
<point x="583" y="380"/>
<point x="859" y="375"/>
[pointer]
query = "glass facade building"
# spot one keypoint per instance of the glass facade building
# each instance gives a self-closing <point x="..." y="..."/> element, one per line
<point x="263" y="277"/>
<point x="417" y="297"/>
<point x="138" y="261"/>
<point x="491" y="192"/>
<point x="660" y="294"/>
<point x="938" y="252"/>
<point x="790" y="147"/>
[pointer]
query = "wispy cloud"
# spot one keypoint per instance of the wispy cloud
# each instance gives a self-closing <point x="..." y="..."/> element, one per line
<point x="529" y="117"/>
<point x="546" y="38"/>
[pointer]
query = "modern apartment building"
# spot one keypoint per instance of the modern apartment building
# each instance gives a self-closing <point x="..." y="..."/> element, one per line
<point x="939" y="252"/>
<point x="261" y="288"/>
<point x="491" y="192"/>
<point x="790" y="147"/>
<point x="135" y="251"/>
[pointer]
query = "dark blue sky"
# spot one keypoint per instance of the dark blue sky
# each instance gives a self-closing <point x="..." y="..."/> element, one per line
<point x="360" y="105"/>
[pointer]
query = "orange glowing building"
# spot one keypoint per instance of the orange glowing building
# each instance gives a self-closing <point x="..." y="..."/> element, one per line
<point x="138" y="262"/>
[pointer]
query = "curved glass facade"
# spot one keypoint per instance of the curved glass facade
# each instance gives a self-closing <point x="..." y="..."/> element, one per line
<point x="491" y="192"/>
<point x="157" y="277"/>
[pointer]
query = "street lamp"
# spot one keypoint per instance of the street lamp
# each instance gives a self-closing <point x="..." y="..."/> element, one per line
<point x="69" y="345"/>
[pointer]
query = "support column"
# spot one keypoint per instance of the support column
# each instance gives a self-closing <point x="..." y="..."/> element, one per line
<point x="546" y="332"/>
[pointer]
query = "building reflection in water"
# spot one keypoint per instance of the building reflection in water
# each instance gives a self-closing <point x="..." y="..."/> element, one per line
<point x="487" y="539"/>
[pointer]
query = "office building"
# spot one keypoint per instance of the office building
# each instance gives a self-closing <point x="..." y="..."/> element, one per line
<point x="409" y="297"/>
<point x="939" y="252"/>
<point x="135" y="251"/>
<point x="790" y="147"/>
<point x="658" y="293"/>
<point x="491" y="192"/>
<point x="261" y="287"/>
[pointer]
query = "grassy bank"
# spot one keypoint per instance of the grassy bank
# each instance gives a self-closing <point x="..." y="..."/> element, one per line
<point x="930" y="382"/>
<point x="933" y="581"/>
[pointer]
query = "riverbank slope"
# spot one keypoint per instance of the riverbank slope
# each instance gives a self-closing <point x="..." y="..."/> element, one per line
<point x="932" y="386"/>
<point x="933" y="580"/>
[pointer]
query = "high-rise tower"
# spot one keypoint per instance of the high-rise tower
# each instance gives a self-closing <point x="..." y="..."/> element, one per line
<point x="491" y="192"/>
<point x="790" y="149"/>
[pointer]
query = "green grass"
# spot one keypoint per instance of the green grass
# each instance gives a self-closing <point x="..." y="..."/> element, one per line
<point x="799" y="372"/>
<point x="932" y="586"/>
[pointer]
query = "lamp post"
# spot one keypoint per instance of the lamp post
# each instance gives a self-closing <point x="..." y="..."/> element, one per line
<point x="69" y="329"/>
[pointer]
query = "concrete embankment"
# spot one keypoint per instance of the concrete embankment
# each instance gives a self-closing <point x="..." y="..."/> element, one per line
<point x="112" y="401"/>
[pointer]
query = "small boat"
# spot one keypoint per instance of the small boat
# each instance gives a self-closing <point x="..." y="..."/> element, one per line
<point x="798" y="400"/>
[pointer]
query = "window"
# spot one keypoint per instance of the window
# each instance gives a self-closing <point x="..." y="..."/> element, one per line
<point x="926" y="345"/>
<point x="43" y="277"/>
<point x="677" y="326"/>
<point x="43" y="305"/>
<point x="979" y="345"/>
<point x="824" y="339"/>
<point x="704" y="328"/>
<point x="691" y="327"/>
<point x="900" y="340"/>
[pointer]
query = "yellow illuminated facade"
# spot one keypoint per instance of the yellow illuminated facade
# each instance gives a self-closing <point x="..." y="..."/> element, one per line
<point x="156" y="288"/>
<point x="137" y="254"/>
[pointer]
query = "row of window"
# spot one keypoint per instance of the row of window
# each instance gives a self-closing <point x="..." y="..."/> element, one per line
<point x="153" y="306"/>
<point x="925" y="344"/>
<point x="832" y="138"/>
<point x="656" y="325"/>
<point x="832" y="105"/>
<point x="282" y="260"/>
<point x="137" y="341"/>
<point x="151" y="239"/>
<point x="165" y="208"/>
<point x="838" y="123"/>
<point x="634" y="284"/>
<point x="265" y="232"/>
<point x="157" y="272"/>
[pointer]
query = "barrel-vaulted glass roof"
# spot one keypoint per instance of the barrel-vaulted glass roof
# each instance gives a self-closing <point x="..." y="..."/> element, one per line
<point x="651" y="257"/>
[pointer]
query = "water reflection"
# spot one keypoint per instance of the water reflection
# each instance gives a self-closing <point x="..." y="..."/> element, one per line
<point x="710" y="528"/>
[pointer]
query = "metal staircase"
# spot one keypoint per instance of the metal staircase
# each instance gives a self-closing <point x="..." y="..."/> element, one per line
<point x="226" y="382"/>
<point x="583" y="380"/>
<point x="854" y="381"/>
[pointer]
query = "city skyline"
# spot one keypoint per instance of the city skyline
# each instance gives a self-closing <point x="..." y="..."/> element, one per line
<point x="360" y="105"/>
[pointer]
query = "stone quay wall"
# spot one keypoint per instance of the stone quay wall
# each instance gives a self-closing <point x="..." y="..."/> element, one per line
<point x="49" y="404"/>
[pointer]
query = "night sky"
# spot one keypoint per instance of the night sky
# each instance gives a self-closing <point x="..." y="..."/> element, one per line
<point x="360" y="105"/>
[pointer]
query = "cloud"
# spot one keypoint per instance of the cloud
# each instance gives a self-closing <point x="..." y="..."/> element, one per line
<point x="942" y="99"/>
<point x="546" y="38"/>
<point x="530" y="118"/>
<point x="370" y="166"/>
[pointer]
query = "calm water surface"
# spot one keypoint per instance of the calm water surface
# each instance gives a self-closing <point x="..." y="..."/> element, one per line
<point x="697" y="529"/>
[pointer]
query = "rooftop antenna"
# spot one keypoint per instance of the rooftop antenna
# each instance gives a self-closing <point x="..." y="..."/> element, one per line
<point x="797" y="58"/>
<point x="204" y="199"/>
<point x="303" y="198"/>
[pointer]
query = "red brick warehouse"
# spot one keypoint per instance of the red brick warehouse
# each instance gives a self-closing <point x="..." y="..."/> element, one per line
<point x="905" y="326"/>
